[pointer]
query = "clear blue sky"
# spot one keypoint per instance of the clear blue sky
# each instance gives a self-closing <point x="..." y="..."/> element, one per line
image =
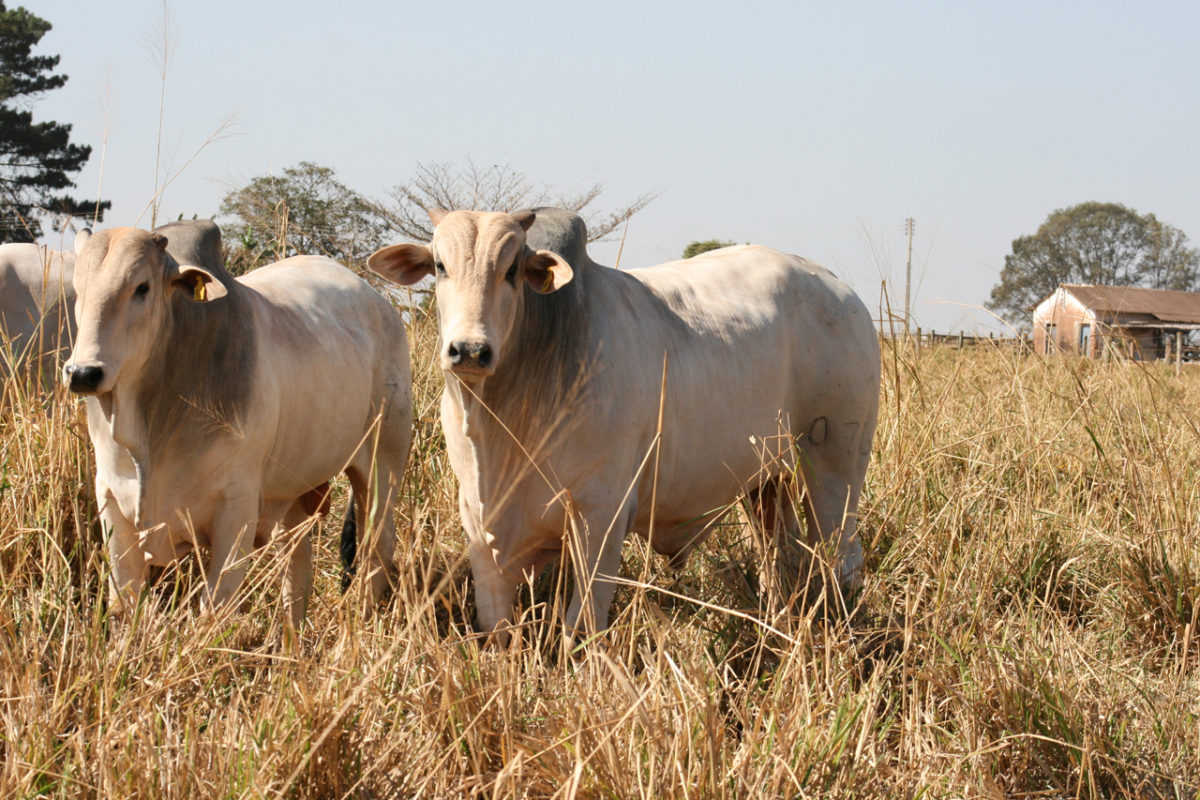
<point x="812" y="127"/>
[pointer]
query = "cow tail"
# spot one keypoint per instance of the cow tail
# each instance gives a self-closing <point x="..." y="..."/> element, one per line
<point x="348" y="547"/>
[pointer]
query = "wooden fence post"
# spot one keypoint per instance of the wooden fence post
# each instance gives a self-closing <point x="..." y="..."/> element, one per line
<point x="1178" y="352"/>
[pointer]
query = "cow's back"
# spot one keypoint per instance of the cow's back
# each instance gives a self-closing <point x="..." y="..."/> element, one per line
<point x="331" y="350"/>
<point x="756" y="343"/>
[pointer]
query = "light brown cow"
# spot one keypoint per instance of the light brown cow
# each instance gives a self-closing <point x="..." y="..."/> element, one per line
<point x="554" y="376"/>
<point x="216" y="406"/>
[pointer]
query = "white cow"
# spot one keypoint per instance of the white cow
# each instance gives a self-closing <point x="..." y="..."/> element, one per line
<point x="552" y="401"/>
<point x="36" y="297"/>
<point x="217" y="406"/>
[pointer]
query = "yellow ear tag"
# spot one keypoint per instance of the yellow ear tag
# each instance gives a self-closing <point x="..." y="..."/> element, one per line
<point x="198" y="291"/>
<point x="549" y="284"/>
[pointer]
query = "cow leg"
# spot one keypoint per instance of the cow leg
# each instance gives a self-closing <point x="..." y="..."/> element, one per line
<point x="374" y="488"/>
<point x="233" y="529"/>
<point x="495" y="591"/>
<point x="297" y="579"/>
<point x="831" y="508"/>
<point x="786" y="556"/>
<point x="126" y="559"/>
<point x="595" y="549"/>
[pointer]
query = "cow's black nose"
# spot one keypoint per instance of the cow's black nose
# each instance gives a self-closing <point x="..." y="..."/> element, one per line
<point x="478" y="354"/>
<point x="84" y="380"/>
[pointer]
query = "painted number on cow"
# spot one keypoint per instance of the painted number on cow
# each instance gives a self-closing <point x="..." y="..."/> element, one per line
<point x="854" y="436"/>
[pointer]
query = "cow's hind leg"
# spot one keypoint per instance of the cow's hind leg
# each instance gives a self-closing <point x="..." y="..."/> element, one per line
<point x="787" y="561"/>
<point x="297" y="578"/>
<point x="374" y="486"/>
<point x="831" y="508"/>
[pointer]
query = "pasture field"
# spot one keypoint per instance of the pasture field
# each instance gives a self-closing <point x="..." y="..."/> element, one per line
<point x="1027" y="628"/>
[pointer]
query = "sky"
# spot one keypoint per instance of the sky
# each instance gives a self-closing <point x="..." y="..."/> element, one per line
<point x="815" y="128"/>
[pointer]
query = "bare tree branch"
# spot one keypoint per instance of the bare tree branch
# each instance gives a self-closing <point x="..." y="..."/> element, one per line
<point x="500" y="187"/>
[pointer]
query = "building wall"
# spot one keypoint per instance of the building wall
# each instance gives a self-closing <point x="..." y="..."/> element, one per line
<point x="1142" y="344"/>
<point x="1058" y="323"/>
<point x="1057" y="326"/>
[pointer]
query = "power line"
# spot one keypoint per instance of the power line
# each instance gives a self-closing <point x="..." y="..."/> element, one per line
<point x="910" y="227"/>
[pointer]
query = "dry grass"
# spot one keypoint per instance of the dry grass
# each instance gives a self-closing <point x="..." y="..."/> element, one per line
<point x="1027" y="628"/>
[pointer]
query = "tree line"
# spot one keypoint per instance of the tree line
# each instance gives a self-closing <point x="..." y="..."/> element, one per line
<point x="306" y="209"/>
<point x="1105" y="244"/>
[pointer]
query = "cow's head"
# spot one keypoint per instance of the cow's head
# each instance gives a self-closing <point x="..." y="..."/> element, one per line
<point x="125" y="283"/>
<point x="482" y="266"/>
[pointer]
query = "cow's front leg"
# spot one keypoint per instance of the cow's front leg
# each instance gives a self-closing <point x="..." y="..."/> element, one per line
<point x="595" y="550"/>
<point x="495" y="590"/>
<point x="127" y="561"/>
<point x="233" y="528"/>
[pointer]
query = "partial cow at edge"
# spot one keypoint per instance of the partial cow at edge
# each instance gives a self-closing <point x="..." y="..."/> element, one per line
<point x="220" y="407"/>
<point x="36" y="299"/>
<point x="554" y="372"/>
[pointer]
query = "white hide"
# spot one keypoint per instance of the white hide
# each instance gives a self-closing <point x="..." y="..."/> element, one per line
<point x="36" y="299"/>
<point x="757" y="344"/>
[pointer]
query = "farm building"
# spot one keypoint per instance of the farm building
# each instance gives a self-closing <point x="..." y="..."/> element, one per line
<point x="1120" y="320"/>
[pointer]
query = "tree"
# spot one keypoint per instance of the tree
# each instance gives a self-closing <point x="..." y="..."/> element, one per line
<point x="698" y="247"/>
<point x="1093" y="243"/>
<point x="304" y="210"/>
<point x="36" y="159"/>
<point x="500" y="187"/>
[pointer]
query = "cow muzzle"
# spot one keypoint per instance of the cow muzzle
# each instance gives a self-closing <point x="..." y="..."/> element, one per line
<point x="83" y="378"/>
<point x="469" y="359"/>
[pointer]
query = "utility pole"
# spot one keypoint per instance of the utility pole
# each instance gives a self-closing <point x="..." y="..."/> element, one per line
<point x="910" y="226"/>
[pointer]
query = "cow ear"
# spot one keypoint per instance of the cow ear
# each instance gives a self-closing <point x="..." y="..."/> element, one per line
<point x="436" y="215"/>
<point x="404" y="264"/>
<point x="547" y="272"/>
<point x="198" y="284"/>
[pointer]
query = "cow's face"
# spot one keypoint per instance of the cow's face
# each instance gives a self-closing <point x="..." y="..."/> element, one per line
<point x="481" y="266"/>
<point x="124" y="285"/>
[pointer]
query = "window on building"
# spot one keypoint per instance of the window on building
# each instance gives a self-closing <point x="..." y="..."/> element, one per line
<point x="1051" y="332"/>
<point x="1085" y="339"/>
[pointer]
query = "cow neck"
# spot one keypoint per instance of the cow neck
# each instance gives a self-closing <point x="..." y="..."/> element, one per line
<point x="548" y="352"/>
<point x="124" y="419"/>
<point x="197" y="384"/>
<point x="470" y="402"/>
<point x="523" y="411"/>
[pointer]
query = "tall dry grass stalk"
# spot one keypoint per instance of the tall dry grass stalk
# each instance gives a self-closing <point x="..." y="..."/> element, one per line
<point x="1027" y="628"/>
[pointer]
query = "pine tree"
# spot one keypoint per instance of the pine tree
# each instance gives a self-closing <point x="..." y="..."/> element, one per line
<point x="36" y="158"/>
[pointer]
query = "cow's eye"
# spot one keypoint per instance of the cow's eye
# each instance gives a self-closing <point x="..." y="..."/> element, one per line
<point x="440" y="268"/>
<point x="142" y="289"/>
<point x="511" y="275"/>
